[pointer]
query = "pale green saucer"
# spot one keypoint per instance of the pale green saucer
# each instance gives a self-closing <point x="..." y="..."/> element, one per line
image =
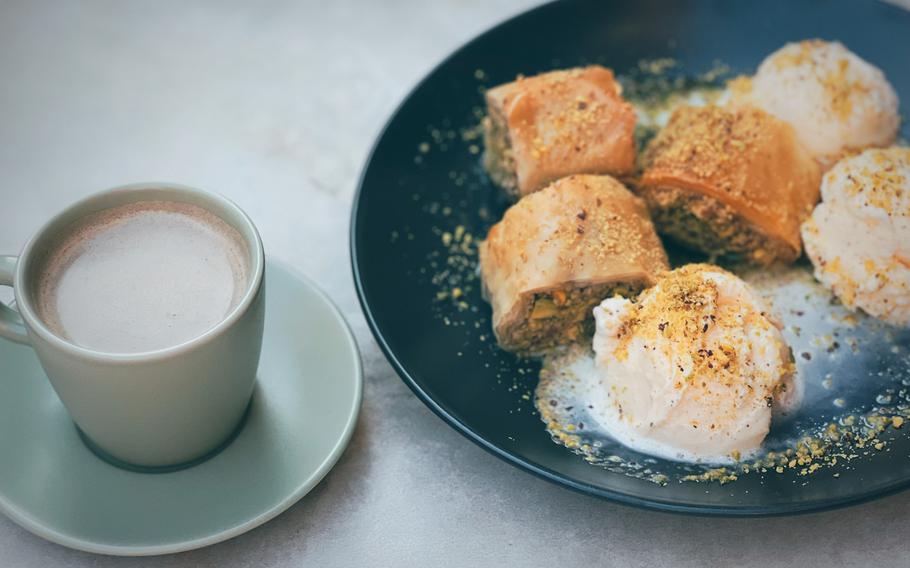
<point x="303" y="412"/>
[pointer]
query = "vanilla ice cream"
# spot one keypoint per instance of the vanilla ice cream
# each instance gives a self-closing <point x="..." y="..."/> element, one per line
<point x="834" y="100"/>
<point x="691" y="370"/>
<point x="858" y="237"/>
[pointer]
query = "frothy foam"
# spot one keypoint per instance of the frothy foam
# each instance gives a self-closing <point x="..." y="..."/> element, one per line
<point x="142" y="277"/>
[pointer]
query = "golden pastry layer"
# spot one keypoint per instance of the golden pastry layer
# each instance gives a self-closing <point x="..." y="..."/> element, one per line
<point x="539" y="129"/>
<point x="733" y="183"/>
<point x="559" y="252"/>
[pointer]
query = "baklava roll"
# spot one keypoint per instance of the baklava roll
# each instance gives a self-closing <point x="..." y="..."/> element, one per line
<point x="561" y="251"/>
<point x="539" y="129"/>
<point x="733" y="183"/>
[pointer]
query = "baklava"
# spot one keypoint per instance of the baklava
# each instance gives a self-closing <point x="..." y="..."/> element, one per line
<point x="539" y="129"/>
<point x="559" y="252"/>
<point x="732" y="183"/>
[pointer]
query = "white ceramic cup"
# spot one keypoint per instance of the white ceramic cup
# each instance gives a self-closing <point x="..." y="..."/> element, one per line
<point x="160" y="408"/>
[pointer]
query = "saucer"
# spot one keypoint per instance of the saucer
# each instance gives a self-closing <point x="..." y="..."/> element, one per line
<point x="303" y="412"/>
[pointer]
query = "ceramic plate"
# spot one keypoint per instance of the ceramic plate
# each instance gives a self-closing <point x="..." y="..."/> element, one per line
<point x="303" y="413"/>
<point x="424" y="201"/>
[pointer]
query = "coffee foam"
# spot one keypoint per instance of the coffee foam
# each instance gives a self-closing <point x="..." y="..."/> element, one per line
<point x="111" y="276"/>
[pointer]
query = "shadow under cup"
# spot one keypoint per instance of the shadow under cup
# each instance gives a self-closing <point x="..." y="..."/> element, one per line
<point x="159" y="410"/>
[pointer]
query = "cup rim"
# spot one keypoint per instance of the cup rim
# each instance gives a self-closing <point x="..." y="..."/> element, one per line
<point x="35" y="325"/>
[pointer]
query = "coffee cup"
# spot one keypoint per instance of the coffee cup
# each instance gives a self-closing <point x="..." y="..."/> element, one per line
<point x="145" y="307"/>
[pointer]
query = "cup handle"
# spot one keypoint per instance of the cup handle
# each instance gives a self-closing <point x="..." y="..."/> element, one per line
<point x="11" y="326"/>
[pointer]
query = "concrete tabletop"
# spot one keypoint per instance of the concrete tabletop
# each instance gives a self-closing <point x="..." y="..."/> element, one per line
<point x="276" y="104"/>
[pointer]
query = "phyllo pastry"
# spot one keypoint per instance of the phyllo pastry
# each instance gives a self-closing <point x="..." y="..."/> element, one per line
<point x="733" y="183"/>
<point x="558" y="253"/>
<point x="539" y="129"/>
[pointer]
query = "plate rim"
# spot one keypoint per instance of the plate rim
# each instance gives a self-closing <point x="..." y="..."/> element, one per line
<point x="36" y="527"/>
<point x="666" y="506"/>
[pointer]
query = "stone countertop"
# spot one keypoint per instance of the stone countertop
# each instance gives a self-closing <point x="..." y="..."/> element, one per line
<point x="276" y="105"/>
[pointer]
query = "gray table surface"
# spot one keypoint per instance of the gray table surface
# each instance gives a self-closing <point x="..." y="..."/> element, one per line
<point x="276" y="105"/>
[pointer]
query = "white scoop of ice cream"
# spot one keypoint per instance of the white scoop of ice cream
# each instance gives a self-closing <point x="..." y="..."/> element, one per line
<point x="691" y="371"/>
<point x="833" y="99"/>
<point x="858" y="237"/>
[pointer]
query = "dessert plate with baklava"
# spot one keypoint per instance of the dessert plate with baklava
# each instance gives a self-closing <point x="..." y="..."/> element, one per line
<point x="658" y="254"/>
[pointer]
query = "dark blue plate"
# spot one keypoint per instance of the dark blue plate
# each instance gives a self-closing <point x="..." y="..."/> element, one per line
<point x="423" y="181"/>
